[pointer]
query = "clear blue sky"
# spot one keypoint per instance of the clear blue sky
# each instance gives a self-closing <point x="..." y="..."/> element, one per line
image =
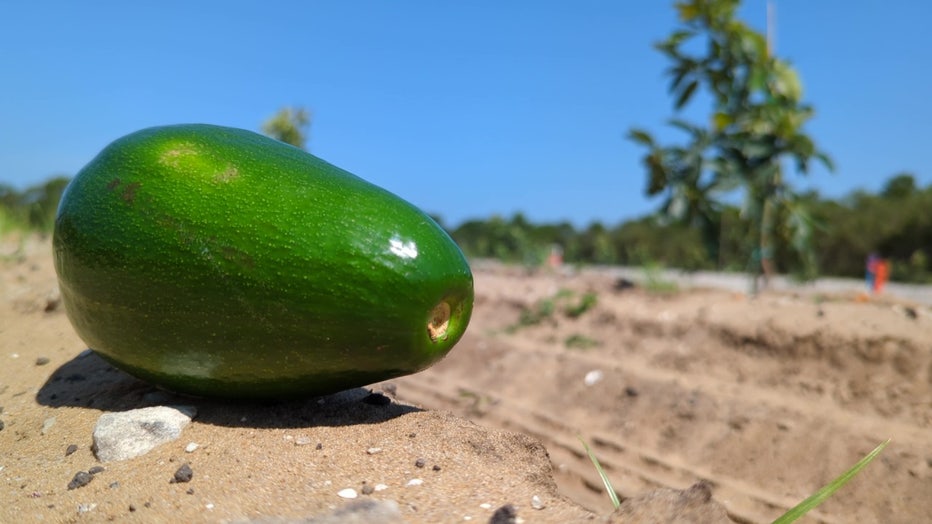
<point x="467" y="109"/>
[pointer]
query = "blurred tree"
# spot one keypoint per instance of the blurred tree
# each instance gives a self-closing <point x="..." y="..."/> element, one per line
<point x="42" y="202"/>
<point x="33" y="209"/>
<point x="756" y="122"/>
<point x="900" y="186"/>
<point x="289" y="125"/>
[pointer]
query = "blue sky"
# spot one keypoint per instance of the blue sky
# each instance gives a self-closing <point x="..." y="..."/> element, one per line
<point x="466" y="109"/>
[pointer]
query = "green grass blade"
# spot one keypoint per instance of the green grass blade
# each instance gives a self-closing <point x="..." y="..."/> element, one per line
<point x="598" y="467"/>
<point x="820" y="496"/>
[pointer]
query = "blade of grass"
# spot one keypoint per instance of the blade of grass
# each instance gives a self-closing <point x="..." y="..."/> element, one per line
<point x="819" y="497"/>
<point x="598" y="467"/>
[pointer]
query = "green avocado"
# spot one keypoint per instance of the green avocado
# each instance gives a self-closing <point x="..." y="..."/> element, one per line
<point x="217" y="262"/>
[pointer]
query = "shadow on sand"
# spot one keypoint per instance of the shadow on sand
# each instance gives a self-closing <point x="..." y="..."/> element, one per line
<point x="88" y="381"/>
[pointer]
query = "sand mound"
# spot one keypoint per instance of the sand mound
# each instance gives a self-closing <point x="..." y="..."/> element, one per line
<point x="765" y="399"/>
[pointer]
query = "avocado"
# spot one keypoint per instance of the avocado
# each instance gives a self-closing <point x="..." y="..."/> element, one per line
<point x="218" y="262"/>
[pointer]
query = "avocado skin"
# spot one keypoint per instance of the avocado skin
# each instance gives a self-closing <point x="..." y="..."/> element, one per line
<point x="217" y="262"/>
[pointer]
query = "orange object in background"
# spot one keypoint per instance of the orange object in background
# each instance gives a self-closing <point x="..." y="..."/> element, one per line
<point x="881" y="275"/>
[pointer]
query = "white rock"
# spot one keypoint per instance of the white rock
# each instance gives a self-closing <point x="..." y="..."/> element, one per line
<point x="485" y="505"/>
<point x="47" y="425"/>
<point x="373" y="451"/>
<point x="380" y="487"/>
<point x="414" y="482"/>
<point x="128" y="434"/>
<point x="536" y="503"/>
<point x="190" y="447"/>
<point x="592" y="377"/>
<point x="348" y="493"/>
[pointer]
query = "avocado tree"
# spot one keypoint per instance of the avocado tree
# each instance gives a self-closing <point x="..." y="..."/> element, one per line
<point x="289" y="125"/>
<point x="756" y="122"/>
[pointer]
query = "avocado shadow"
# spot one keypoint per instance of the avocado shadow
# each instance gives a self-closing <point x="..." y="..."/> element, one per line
<point x="88" y="381"/>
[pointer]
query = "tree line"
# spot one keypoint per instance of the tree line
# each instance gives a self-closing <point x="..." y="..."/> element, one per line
<point x="894" y="223"/>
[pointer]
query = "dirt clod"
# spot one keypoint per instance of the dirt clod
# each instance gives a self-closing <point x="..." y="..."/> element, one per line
<point x="81" y="479"/>
<point x="183" y="474"/>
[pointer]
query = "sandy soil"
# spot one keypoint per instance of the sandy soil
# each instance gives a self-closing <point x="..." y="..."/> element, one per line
<point x="763" y="400"/>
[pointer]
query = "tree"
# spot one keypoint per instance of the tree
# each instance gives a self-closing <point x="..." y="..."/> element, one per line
<point x="289" y="125"/>
<point x="900" y="186"/>
<point x="756" y="123"/>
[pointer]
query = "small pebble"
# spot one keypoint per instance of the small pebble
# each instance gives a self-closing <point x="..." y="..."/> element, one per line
<point x="81" y="479"/>
<point x="184" y="474"/>
<point x="420" y="463"/>
<point x="374" y="451"/>
<point x="302" y="441"/>
<point x="320" y="446"/>
<point x="41" y="361"/>
<point x="190" y="447"/>
<point x="114" y="485"/>
<point x="2" y="425"/>
<point x="52" y="300"/>
<point x="84" y="508"/>
<point x="96" y="469"/>
<point x="506" y="514"/>
<point x="536" y="503"/>
<point x="209" y="506"/>
<point x="592" y="377"/>
<point x="71" y="449"/>
<point x="414" y="482"/>
<point x="190" y="491"/>
<point x="485" y="505"/>
<point x="436" y="467"/>
<point x="380" y="487"/>
<point x="132" y="508"/>
<point x="348" y="493"/>
<point x="367" y="489"/>
<point x="47" y="425"/>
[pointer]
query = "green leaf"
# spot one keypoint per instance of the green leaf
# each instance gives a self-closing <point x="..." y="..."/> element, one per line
<point x="757" y="79"/>
<point x="678" y="37"/>
<point x="684" y="68"/>
<point x="686" y="126"/>
<point x="598" y="467"/>
<point x="786" y="82"/>
<point x="820" y="496"/>
<point x="687" y="11"/>
<point x="686" y="94"/>
<point x="721" y="120"/>
<point x="657" y="172"/>
<point x="826" y="160"/>
<point x="641" y="137"/>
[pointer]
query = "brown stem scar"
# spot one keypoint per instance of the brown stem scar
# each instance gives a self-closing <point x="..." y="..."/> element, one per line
<point x="439" y="321"/>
